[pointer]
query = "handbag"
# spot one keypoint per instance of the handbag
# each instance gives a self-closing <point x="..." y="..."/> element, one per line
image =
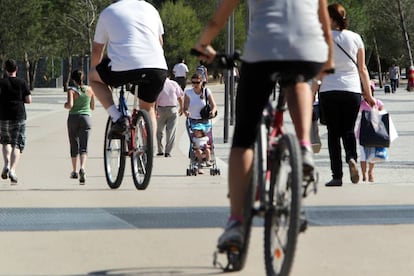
<point x="205" y="111"/>
<point x="374" y="129"/>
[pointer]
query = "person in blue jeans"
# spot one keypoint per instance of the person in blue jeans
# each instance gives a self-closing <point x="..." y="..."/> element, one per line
<point x="284" y="37"/>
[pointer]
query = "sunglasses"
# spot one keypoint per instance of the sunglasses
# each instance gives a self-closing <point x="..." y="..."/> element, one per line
<point x="196" y="82"/>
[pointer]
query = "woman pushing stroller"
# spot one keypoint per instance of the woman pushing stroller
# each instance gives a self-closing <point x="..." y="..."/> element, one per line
<point x="198" y="128"/>
<point x="196" y="98"/>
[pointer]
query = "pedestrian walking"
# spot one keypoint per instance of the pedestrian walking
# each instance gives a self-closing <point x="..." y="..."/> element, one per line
<point x="367" y="152"/>
<point x="394" y="77"/>
<point x="81" y="103"/>
<point x="14" y="94"/>
<point x="180" y="71"/>
<point x="340" y="95"/>
<point x="196" y="98"/>
<point x="169" y="107"/>
<point x="202" y="70"/>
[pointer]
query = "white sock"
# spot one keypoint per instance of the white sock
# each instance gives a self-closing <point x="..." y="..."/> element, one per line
<point x="114" y="113"/>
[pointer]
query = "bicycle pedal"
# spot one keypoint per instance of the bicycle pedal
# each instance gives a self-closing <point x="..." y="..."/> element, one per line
<point x="310" y="181"/>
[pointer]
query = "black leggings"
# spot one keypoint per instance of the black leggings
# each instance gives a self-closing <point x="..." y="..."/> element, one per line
<point x="257" y="81"/>
<point x="78" y="132"/>
<point x="341" y="110"/>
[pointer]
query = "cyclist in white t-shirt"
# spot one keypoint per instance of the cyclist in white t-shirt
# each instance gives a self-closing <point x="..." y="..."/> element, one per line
<point x="131" y="31"/>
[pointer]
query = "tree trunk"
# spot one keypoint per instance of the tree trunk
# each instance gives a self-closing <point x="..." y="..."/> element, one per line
<point x="27" y="68"/>
<point x="405" y="34"/>
<point x="378" y="62"/>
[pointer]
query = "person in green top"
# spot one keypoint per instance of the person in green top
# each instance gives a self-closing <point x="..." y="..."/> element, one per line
<point x="80" y="102"/>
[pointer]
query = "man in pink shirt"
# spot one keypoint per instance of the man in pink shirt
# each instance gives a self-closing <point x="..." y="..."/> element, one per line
<point x="169" y="106"/>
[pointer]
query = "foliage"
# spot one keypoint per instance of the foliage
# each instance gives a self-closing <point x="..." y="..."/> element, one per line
<point x="181" y="29"/>
<point x="380" y="20"/>
<point x="57" y="30"/>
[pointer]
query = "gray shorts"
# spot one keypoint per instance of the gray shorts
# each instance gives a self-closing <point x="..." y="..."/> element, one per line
<point x="13" y="133"/>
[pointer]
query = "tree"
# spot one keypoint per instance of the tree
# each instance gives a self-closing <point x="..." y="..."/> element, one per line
<point x="181" y="28"/>
<point x="20" y="32"/>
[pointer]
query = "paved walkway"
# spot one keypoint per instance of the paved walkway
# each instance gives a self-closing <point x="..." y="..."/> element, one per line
<point x="50" y="225"/>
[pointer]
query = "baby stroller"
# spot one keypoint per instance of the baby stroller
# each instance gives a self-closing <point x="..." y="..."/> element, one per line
<point x="201" y="147"/>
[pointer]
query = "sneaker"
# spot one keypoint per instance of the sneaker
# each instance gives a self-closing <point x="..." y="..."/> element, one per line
<point x="307" y="161"/>
<point x="334" y="183"/>
<point x="353" y="171"/>
<point x="81" y="176"/>
<point x="233" y="236"/>
<point x="167" y="155"/>
<point x="160" y="154"/>
<point x="74" y="175"/>
<point x="13" y="177"/>
<point x="118" y="128"/>
<point x="4" y="173"/>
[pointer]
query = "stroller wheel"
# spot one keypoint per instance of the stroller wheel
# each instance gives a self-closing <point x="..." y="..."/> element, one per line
<point x="188" y="172"/>
<point x="218" y="171"/>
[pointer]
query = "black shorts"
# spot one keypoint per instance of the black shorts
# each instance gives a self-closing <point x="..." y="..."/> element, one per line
<point x="256" y="83"/>
<point x="150" y="80"/>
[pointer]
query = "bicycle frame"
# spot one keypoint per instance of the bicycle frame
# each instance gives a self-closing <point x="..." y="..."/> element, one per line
<point x="123" y="108"/>
<point x="274" y="122"/>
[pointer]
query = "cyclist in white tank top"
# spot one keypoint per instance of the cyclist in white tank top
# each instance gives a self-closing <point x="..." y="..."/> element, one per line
<point x="290" y="37"/>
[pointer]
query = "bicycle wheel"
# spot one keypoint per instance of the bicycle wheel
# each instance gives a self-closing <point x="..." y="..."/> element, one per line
<point x="141" y="159"/>
<point x="282" y="217"/>
<point x="114" y="158"/>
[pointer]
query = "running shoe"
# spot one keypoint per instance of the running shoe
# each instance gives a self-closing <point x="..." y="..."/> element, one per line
<point x="4" y="173"/>
<point x="233" y="236"/>
<point x="118" y="128"/>
<point x="13" y="178"/>
<point x="307" y="161"/>
<point x="81" y="176"/>
<point x="74" y="175"/>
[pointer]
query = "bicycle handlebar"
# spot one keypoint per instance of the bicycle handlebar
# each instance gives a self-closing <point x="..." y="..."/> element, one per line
<point x="227" y="61"/>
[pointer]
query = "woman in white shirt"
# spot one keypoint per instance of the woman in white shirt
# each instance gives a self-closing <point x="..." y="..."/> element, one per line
<point x="340" y="95"/>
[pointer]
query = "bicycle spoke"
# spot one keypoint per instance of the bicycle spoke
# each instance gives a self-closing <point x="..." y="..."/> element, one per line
<point x="114" y="159"/>
<point x="141" y="159"/>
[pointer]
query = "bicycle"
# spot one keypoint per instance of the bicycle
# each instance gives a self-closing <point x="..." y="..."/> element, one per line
<point x="275" y="191"/>
<point x="137" y="143"/>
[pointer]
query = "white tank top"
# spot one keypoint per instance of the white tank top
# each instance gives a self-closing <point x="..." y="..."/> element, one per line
<point x="196" y="103"/>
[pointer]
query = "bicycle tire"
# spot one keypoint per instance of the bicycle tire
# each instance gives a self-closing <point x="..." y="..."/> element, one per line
<point x="282" y="217"/>
<point x="142" y="157"/>
<point x="114" y="158"/>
